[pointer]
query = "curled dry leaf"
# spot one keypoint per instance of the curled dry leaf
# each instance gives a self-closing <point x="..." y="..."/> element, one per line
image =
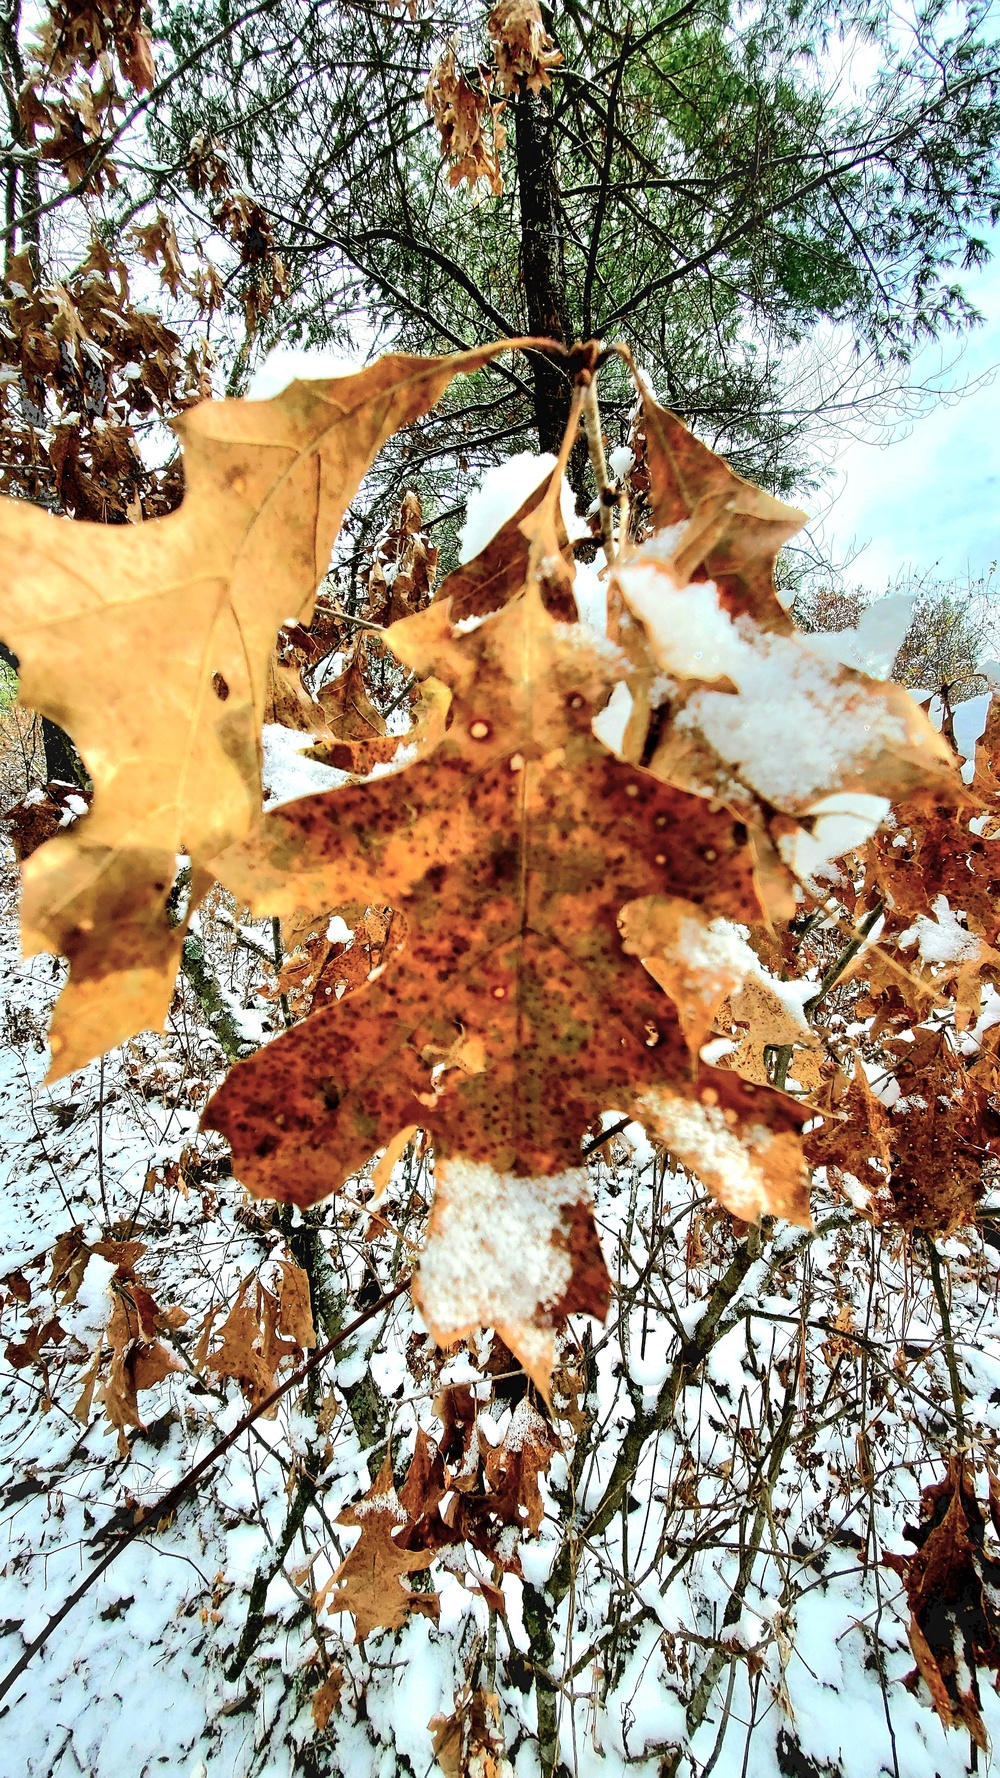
<point x="367" y="1583"/>
<point x="461" y="111"/>
<point x="469" y="1743"/>
<point x="192" y="603"/>
<point x="522" y="48"/>
<point x="263" y="1330"/>
<point x="136" y="1358"/>
<point x="403" y="568"/>
<point x="952" y="1586"/>
<point x="326" y="1698"/>
<point x="917" y="1161"/>
<point x="472" y="1491"/>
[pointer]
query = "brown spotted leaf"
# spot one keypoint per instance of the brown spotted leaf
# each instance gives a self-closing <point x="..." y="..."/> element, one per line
<point x="509" y="851"/>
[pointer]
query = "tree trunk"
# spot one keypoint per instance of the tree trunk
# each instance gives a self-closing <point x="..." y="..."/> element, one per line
<point x="543" y="269"/>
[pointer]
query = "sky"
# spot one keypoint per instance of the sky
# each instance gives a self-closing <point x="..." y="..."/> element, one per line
<point x="930" y="501"/>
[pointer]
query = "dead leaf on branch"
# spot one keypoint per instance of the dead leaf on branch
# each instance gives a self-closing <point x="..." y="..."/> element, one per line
<point x="263" y="1330"/>
<point x="482" y="586"/>
<point x="150" y="644"/>
<point x="473" y="1491"/>
<point x="721" y="679"/>
<point x="918" y="1161"/>
<point x="469" y="1743"/>
<point x="522" y="48"/>
<point x="460" y="111"/>
<point x="732" y="531"/>
<point x="952" y="1586"/>
<point x="136" y="1357"/>
<point x="401" y="576"/>
<point x="509" y="851"/>
<point x="326" y="1698"/>
<point x="367" y="1583"/>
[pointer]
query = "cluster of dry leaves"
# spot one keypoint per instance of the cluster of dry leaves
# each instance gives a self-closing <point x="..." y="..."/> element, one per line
<point x="550" y="915"/>
<point x="85" y="364"/>
<point x="464" y="109"/>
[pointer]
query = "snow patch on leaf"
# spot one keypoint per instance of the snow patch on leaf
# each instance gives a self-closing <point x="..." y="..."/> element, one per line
<point x="496" y="1256"/>
<point x="503" y="490"/>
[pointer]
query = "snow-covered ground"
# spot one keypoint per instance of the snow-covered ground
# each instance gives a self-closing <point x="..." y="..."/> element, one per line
<point x="721" y="1496"/>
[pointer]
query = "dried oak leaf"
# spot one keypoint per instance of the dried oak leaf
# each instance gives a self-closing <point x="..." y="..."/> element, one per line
<point x="460" y="110"/>
<point x="952" y="1586"/>
<point x="509" y="851"/>
<point x="489" y="580"/>
<point x="69" y="1262"/>
<point x="853" y="1142"/>
<point x="704" y="966"/>
<point x="733" y="531"/>
<point x="402" y="572"/>
<point x="931" y="852"/>
<point x="40" y="814"/>
<point x="326" y="1698"/>
<point x="952" y="954"/>
<point x="150" y="644"/>
<point x="138" y="1359"/>
<point x="262" y="1330"/>
<point x="492" y="1491"/>
<point x="469" y="1743"/>
<point x="919" y="1161"/>
<point x="716" y="658"/>
<point x="522" y="48"/>
<point x="367" y="1584"/>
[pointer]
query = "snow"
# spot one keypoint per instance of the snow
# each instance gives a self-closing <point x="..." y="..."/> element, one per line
<point x="609" y="724"/>
<point x="840" y="823"/>
<point x="590" y="591"/>
<point x="969" y="724"/>
<point x="286" y="774"/>
<point x="503" y="490"/>
<point x="286" y="364"/>
<point x="493" y="1255"/>
<point x="874" y="645"/>
<point x="943" y="939"/>
<point x="783" y="690"/>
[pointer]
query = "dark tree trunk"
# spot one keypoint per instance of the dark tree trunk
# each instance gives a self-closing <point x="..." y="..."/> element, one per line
<point x="62" y="760"/>
<point x="543" y="268"/>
